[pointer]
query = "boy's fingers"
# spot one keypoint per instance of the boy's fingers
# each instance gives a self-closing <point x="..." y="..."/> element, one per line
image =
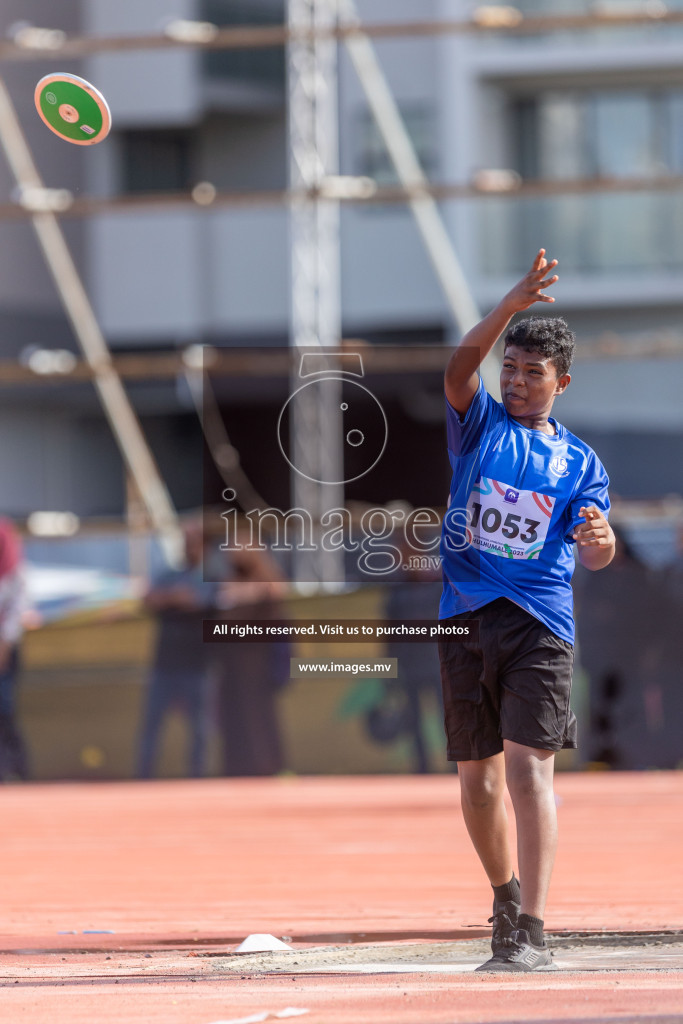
<point x="548" y="281"/>
<point x="538" y="262"/>
<point x="585" y="533"/>
<point x="546" y="265"/>
<point x="589" y="537"/>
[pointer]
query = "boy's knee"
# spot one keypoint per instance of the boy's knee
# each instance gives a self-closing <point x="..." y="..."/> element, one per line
<point x="528" y="776"/>
<point x="481" y="790"/>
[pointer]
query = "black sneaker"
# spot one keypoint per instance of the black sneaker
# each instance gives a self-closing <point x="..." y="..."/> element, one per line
<point x="518" y="953"/>
<point x="504" y="922"/>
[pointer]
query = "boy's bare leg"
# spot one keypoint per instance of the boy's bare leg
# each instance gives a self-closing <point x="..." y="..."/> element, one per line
<point x="529" y="775"/>
<point x="482" y="786"/>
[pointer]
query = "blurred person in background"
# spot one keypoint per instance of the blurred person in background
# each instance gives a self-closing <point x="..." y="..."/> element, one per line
<point x="249" y="675"/>
<point x="13" y="605"/>
<point x="180" y="599"/>
<point x="413" y="592"/>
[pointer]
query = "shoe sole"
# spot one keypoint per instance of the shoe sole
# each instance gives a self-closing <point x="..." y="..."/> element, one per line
<point x="514" y="970"/>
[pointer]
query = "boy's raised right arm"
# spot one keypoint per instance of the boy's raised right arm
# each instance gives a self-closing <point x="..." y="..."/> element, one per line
<point x="461" y="380"/>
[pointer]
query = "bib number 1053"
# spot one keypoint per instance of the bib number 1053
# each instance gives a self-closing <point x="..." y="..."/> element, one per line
<point x="492" y="520"/>
<point x="502" y="520"/>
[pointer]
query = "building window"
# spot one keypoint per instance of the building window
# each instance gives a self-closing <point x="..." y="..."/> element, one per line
<point x="373" y="159"/>
<point x="256" y="67"/>
<point x="156" y="161"/>
<point x="673" y="127"/>
<point x="617" y="133"/>
<point x="608" y="133"/>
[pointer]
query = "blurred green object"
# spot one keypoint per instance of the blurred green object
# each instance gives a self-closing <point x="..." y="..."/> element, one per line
<point x="364" y="696"/>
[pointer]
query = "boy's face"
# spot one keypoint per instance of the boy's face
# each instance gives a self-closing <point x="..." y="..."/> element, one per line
<point x="529" y="383"/>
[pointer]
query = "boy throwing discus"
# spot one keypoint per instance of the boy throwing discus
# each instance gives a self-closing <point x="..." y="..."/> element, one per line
<point x="524" y="493"/>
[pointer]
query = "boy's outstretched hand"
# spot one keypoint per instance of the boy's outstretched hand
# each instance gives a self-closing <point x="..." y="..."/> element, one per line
<point x="530" y="288"/>
<point x="461" y="373"/>
<point x="594" y="539"/>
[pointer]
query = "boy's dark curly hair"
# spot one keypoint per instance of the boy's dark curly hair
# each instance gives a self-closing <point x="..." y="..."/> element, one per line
<point x="550" y="336"/>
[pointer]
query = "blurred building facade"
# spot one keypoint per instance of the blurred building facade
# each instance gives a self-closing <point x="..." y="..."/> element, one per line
<point x="562" y="106"/>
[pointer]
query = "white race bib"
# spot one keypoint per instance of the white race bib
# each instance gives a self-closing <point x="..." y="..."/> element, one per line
<point x="502" y="520"/>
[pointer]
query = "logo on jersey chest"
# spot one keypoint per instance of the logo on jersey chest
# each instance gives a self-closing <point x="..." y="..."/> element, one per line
<point x="558" y="465"/>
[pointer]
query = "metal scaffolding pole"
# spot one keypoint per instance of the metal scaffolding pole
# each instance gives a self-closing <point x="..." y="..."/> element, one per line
<point x="316" y="452"/>
<point x="36" y="44"/>
<point x="117" y="407"/>
<point x="428" y="217"/>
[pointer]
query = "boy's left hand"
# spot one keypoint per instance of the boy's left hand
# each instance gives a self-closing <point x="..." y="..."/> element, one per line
<point x="595" y="532"/>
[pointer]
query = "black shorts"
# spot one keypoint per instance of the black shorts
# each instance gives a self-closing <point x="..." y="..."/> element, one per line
<point x="513" y="684"/>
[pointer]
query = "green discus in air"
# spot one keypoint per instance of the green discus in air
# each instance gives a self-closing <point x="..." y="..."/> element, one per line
<point x="73" y="109"/>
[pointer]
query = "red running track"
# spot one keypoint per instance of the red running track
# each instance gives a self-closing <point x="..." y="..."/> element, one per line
<point x="167" y="864"/>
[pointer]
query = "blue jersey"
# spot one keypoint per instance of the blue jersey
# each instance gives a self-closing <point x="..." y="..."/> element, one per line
<point x="514" y="504"/>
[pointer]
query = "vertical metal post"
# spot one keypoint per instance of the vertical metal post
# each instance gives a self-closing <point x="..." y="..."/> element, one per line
<point x="316" y="443"/>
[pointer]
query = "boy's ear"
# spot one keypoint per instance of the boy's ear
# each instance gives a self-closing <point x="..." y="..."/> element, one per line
<point x="562" y="383"/>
